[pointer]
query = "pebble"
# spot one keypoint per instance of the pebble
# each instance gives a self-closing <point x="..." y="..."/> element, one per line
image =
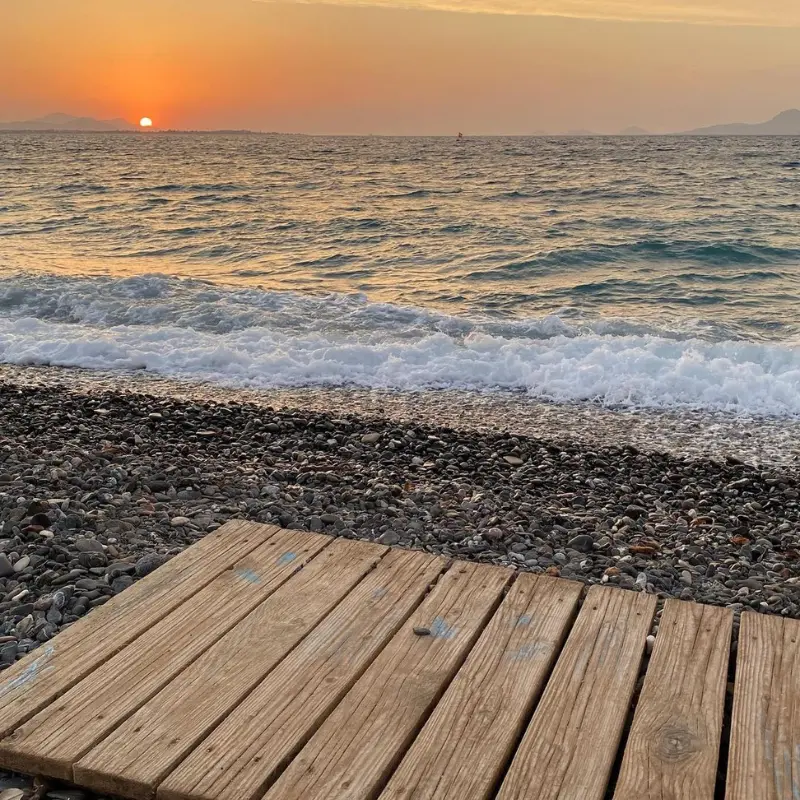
<point x="149" y="562"/>
<point x="178" y="522"/>
<point x="370" y="438"/>
<point x="420" y="631"/>
<point x="86" y="545"/>
<point x="6" y="568"/>
<point x="8" y="653"/>
<point x="584" y="543"/>
<point x="121" y="583"/>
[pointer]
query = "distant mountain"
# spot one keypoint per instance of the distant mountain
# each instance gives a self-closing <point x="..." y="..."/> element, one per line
<point x="787" y="123"/>
<point x="634" y="131"/>
<point x="66" y="122"/>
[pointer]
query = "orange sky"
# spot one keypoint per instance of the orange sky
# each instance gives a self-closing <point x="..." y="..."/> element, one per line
<point x="371" y="67"/>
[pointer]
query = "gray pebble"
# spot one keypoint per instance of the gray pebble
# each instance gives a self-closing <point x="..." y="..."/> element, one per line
<point x="584" y="543"/>
<point x="86" y="545"/>
<point x="6" y="568"/>
<point x="150" y="562"/>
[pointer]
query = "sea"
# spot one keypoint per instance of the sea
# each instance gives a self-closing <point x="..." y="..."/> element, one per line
<point x="653" y="273"/>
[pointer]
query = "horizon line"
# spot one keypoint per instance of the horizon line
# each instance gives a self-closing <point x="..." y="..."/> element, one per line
<point x="542" y="135"/>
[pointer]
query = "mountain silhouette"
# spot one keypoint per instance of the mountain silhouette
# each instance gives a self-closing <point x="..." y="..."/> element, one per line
<point x="66" y="122"/>
<point x="787" y="123"/>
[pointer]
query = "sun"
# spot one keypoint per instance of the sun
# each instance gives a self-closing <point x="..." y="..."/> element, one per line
<point x="145" y="122"/>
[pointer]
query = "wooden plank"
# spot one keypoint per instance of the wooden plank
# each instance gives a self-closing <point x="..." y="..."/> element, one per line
<point x="673" y="747"/>
<point x="355" y="750"/>
<point x="258" y="738"/>
<point x="764" y="757"/>
<point x="53" y="740"/>
<point x="463" y="749"/>
<point x="135" y="757"/>
<point x="39" y="678"/>
<point x="569" y="747"/>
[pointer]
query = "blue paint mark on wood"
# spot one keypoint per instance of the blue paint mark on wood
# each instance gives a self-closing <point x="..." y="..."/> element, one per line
<point x="441" y="630"/>
<point x="247" y="575"/>
<point x="530" y="650"/>
<point x="524" y="619"/>
<point x="287" y="558"/>
<point x="29" y="674"/>
<point x="379" y="593"/>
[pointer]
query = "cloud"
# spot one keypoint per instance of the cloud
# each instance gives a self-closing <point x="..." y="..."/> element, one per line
<point x="770" y="13"/>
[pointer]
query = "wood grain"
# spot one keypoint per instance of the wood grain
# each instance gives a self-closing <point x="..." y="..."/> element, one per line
<point x="53" y="740"/>
<point x="673" y="747"/>
<point x="764" y="757"/>
<point x="465" y="745"/>
<point x="37" y="680"/>
<point x="569" y="748"/>
<point x="355" y="750"/>
<point x="135" y="757"/>
<point x="261" y="735"/>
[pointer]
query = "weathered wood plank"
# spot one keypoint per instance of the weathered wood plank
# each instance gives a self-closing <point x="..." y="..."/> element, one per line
<point x="37" y="680"/>
<point x="465" y="745"/>
<point x="53" y="740"/>
<point x="135" y="757"/>
<point x="764" y="757"/>
<point x="673" y="747"/>
<point x="355" y="750"/>
<point x="255" y="741"/>
<point x="569" y="748"/>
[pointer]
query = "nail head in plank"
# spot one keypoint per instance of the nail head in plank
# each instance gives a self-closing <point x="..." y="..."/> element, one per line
<point x="764" y="756"/>
<point x="673" y="747"/>
<point x="569" y="747"/>
<point x="357" y="747"/>
<point x="37" y="680"/>
<point x="261" y="735"/>
<point x="471" y="734"/>
<point x="53" y="740"/>
<point x="135" y="757"/>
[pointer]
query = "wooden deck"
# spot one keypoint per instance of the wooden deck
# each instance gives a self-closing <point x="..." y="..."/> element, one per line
<point x="264" y="663"/>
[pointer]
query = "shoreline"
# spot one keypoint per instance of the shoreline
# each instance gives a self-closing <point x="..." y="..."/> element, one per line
<point x="680" y="432"/>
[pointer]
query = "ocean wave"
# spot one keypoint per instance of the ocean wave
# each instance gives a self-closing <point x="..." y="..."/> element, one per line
<point x="638" y="371"/>
<point x="414" y="193"/>
<point x="253" y="338"/>
<point x="655" y="251"/>
<point x="162" y="300"/>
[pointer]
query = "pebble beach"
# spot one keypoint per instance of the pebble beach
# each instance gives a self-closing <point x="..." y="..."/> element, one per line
<point x="98" y="487"/>
<point x="102" y="481"/>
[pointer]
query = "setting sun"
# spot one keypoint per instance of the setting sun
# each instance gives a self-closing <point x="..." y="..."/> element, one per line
<point x="145" y="122"/>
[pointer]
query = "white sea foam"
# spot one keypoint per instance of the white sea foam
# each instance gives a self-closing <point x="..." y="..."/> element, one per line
<point x="268" y="339"/>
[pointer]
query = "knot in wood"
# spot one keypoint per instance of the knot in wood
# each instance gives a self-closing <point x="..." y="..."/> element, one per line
<point x="676" y="743"/>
